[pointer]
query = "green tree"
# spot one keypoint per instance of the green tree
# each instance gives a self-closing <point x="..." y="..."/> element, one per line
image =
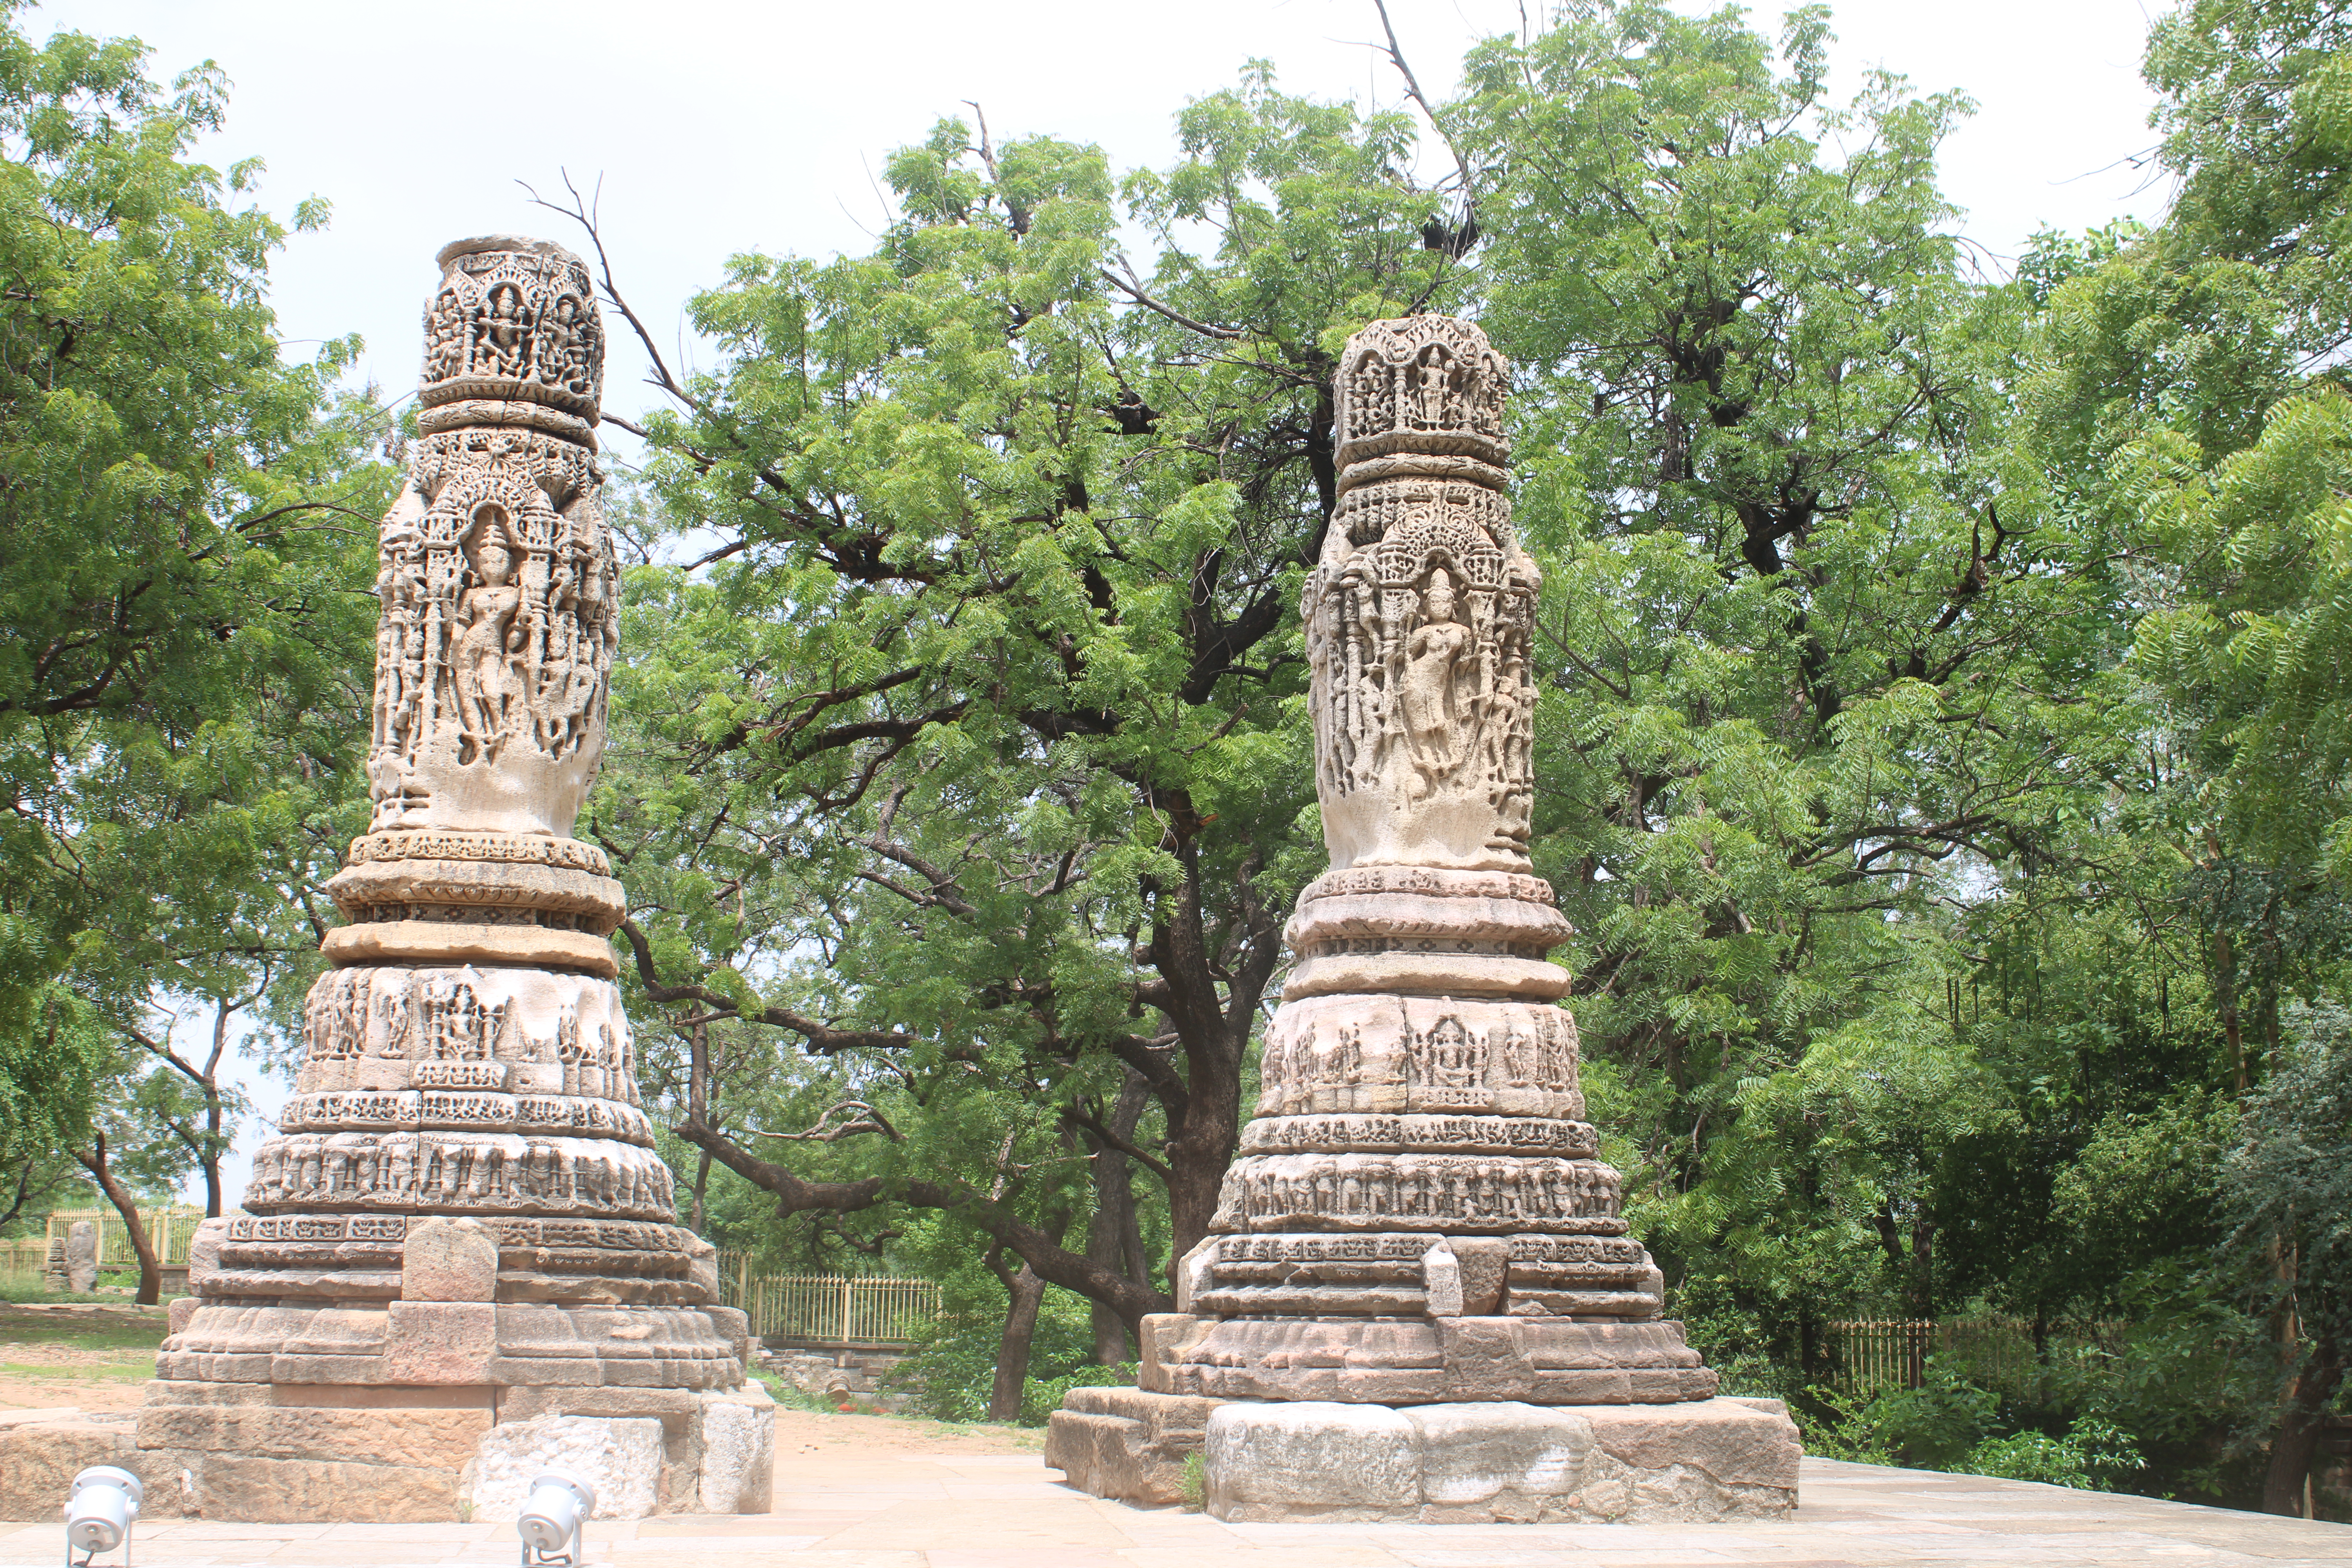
<point x="184" y="620"/>
<point x="974" y="749"/>
<point x="2288" y="1189"/>
<point x="1819" y="645"/>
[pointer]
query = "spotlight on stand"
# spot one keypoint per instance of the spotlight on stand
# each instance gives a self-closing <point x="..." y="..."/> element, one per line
<point x="99" y="1510"/>
<point x="552" y="1517"/>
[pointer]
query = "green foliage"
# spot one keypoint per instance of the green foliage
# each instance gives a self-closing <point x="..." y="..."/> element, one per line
<point x="2257" y="116"/>
<point x="184" y="620"/>
<point x="952" y="1371"/>
<point x="2088" y="1458"/>
<point x="2288" y="1184"/>
<point x="1935" y="1424"/>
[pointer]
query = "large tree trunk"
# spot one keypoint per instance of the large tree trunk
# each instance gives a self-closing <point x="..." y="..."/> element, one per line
<point x="151" y="1268"/>
<point x="1024" y="1291"/>
<point x="1112" y="1234"/>
<point x="2285" y="1484"/>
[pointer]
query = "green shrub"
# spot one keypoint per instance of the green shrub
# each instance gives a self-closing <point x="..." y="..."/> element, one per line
<point x="2088" y="1458"/>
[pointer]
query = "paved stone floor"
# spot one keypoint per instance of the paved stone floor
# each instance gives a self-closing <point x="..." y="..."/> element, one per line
<point x="859" y="1507"/>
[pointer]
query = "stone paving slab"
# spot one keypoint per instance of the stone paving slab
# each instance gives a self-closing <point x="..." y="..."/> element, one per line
<point x="848" y="1507"/>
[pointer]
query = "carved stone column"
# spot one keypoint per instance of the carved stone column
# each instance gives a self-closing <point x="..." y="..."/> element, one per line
<point x="463" y="1223"/>
<point x="1417" y="1217"/>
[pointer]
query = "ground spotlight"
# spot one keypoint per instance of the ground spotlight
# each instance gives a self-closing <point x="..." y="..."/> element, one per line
<point x="100" y="1511"/>
<point x="559" y="1506"/>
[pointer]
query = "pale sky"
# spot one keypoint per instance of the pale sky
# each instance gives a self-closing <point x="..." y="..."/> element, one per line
<point x="718" y="128"/>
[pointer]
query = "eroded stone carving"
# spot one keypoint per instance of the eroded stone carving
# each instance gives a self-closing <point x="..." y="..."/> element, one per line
<point x="1418" y="614"/>
<point x="498" y="577"/>
<point x="1418" y="1154"/>
<point x="468" y="1070"/>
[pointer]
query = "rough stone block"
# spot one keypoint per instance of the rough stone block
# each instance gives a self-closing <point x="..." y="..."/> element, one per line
<point x="1128" y="1442"/>
<point x="1484" y="1262"/>
<point x="177" y="1315"/>
<point x="437" y="1341"/>
<point x="734" y="1326"/>
<point x="1441" y="1280"/>
<point x="205" y="1252"/>
<point x="1192" y="1271"/>
<point x="81" y="1256"/>
<point x="1735" y="1444"/>
<point x="738" y="1451"/>
<point x="442" y="1438"/>
<point x="1162" y="1338"/>
<point x="1501" y="1461"/>
<point x="38" y="1460"/>
<point x="1312" y="1459"/>
<point x="621" y="1458"/>
<point x="266" y="1490"/>
<point x="702" y="1270"/>
<point x="449" y="1260"/>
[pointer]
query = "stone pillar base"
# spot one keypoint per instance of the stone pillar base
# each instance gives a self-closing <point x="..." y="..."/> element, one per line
<point x="1501" y="1462"/>
<point x="1489" y="1462"/>
<point x="281" y="1454"/>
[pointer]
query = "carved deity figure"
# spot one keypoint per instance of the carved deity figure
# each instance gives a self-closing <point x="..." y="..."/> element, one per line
<point x="1436" y="727"/>
<point x="1431" y="391"/>
<point x="489" y="677"/>
<point x="501" y="348"/>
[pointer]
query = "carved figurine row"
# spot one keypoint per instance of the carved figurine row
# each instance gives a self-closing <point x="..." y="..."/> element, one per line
<point x="514" y="1231"/>
<point x="455" y="1173"/>
<point x="1428" y="374"/>
<point x="465" y="1014"/>
<point x="1426" y="1134"/>
<point x="516" y="316"/>
<point x="1465" y="1045"/>
<point x="1415" y="1192"/>
<point x="1424" y="687"/>
<point x="499" y="625"/>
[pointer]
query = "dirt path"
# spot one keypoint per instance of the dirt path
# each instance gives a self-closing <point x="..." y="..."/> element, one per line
<point x="824" y="1434"/>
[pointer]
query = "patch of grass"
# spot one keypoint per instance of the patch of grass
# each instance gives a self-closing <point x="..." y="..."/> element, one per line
<point x="95" y="1330"/>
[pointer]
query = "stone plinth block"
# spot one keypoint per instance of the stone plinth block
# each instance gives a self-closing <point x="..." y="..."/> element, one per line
<point x="738" y="1451"/>
<point x="246" y="1451"/>
<point x="439" y="1342"/>
<point x="1128" y="1442"/>
<point x="1499" y="1462"/>
<point x="449" y="1260"/>
<point x="715" y="1442"/>
<point x="81" y="1256"/>
<point x="677" y="1348"/>
<point x="620" y="1457"/>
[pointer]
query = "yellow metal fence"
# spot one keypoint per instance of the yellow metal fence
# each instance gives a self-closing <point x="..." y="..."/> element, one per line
<point x="170" y="1228"/>
<point x="827" y="1308"/>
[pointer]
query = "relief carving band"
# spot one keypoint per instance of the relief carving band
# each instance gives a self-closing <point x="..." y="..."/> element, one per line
<point x="496" y="574"/>
<point x="1418" y="615"/>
